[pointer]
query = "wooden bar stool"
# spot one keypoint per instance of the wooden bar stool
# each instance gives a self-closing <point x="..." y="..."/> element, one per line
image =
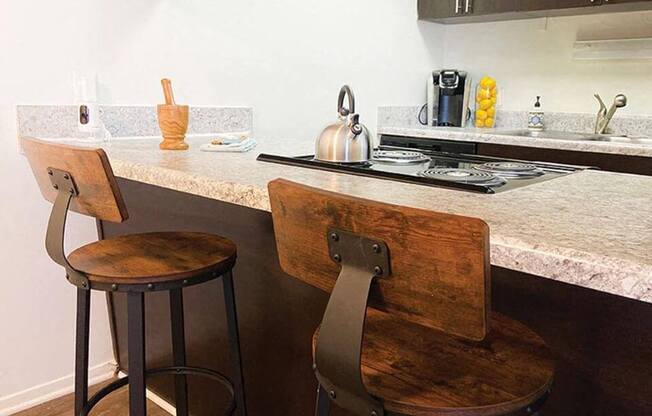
<point x="428" y="343"/>
<point x="81" y="180"/>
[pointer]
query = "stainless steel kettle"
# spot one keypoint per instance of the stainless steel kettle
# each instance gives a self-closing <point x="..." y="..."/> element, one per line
<point x="346" y="140"/>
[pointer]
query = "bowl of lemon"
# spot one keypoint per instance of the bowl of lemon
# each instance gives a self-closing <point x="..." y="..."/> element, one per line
<point x="486" y="94"/>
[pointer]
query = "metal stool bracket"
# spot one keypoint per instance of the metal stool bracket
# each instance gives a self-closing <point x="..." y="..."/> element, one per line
<point x="339" y="345"/>
<point x="64" y="183"/>
<point x="357" y="251"/>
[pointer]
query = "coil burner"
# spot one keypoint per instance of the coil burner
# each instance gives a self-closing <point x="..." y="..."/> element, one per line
<point x="403" y="157"/>
<point x="412" y="160"/>
<point x="471" y="176"/>
<point x="514" y="170"/>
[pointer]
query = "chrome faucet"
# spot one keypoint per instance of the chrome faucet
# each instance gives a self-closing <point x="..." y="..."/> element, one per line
<point x="604" y="116"/>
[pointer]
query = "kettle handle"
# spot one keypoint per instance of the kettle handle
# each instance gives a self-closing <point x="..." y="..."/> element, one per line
<point x="341" y="110"/>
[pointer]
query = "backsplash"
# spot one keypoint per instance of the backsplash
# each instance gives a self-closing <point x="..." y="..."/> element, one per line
<point x="407" y="116"/>
<point x="60" y="121"/>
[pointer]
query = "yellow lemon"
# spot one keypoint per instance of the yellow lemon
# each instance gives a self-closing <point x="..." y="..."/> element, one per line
<point x="489" y="122"/>
<point x="488" y="83"/>
<point x="492" y="100"/>
<point x="485" y="104"/>
<point x="484" y="93"/>
<point x="480" y="115"/>
<point x="493" y="92"/>
<point x="479" y="123"/>
<point x="491" y="111"/>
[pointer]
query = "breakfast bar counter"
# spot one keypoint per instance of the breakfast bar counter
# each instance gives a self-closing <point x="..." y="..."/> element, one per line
<point x="570" y="258"/>
<point x="592" y="229"/>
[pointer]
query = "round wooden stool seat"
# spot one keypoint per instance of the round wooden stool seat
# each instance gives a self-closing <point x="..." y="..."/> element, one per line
<point x="154" y="258"/>
<point x="415" y="370"/>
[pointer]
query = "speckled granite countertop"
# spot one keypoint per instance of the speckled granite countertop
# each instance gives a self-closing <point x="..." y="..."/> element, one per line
<point x="496" y="137"/>
<point x="592" y="229"/>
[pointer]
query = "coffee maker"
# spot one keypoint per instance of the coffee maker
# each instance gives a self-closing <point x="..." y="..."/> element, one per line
<point x="448" y="98"/>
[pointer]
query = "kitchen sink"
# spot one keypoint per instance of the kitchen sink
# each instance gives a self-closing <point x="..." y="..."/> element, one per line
<point x="564" y="135"/>
<point x="647" y="141"/>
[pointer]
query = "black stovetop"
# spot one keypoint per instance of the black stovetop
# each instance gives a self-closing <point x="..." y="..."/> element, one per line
<point x="450" y="170"/>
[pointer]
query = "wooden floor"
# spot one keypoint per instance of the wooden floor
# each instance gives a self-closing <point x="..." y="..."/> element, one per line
<point x="116" y="403"/>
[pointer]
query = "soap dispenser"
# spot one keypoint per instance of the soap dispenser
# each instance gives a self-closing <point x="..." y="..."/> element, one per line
<point x="535" y="119"/>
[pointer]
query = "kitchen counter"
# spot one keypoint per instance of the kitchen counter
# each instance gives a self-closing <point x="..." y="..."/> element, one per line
<point x="591" y="229"/>
<point x="496" y="137"/>
<point x="549" y="243"/>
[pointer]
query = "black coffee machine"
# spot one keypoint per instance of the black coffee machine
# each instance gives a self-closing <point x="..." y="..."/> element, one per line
<point x="448" y="98"/>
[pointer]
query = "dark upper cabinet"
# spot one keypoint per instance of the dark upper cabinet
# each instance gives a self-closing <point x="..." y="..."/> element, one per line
<point x="446" y="9"/>
<point x="535" y="5"/>
<point x="483" y="7"/>
<point x="440" y="9"/>
<point x="464" y="11"/>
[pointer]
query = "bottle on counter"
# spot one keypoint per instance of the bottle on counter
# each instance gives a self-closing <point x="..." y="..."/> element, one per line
<point x="89" y="123"/>
<point x="535" y="119"/>
<point x="486" y="95"/>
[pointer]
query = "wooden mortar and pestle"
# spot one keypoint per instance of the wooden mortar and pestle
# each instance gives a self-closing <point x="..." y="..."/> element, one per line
<point x="172" y="120"/>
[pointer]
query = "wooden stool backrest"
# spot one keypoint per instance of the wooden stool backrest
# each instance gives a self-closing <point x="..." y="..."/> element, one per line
<point x="99" y="195"/>
<point x="439" y="262"/>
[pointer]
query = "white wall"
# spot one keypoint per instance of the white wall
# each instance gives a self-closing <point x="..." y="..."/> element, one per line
<point x="287" y="58"/>
<point x="40" y="44"/>
<point x="533" y="57"/>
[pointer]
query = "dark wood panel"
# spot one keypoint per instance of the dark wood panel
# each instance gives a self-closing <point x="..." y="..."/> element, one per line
<point x="277" y="313"/>
<point x="448" y="289"/>
<point x="611" y="162"/>
<point x="608" y="2"/>
<point x="438" y="9"/>
<point x="531" y="5"/>
<point x="495" y="10"/>
<point x="482" y="7"/>
<point x="601" y="342"/>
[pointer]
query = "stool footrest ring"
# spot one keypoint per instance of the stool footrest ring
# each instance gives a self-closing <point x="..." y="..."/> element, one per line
<point x="194" y="371"/>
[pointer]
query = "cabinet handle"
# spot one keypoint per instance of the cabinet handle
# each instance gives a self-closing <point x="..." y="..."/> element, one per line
<point x="469" y="5"/>
<point x="458" y="6"/>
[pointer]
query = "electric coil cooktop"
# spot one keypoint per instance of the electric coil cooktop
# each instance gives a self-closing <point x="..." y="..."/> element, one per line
<point x="450" y="170"/>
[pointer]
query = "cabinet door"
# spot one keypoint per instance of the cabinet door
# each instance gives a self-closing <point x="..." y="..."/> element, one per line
<point x="480" y="7"/>
<point x="605" y="2"/>
<point x="440" y="9"/>
<point x="534" y="5"/>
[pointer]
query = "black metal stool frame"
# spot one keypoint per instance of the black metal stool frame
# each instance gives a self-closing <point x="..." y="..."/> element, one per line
<point x="64" y="183"/>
